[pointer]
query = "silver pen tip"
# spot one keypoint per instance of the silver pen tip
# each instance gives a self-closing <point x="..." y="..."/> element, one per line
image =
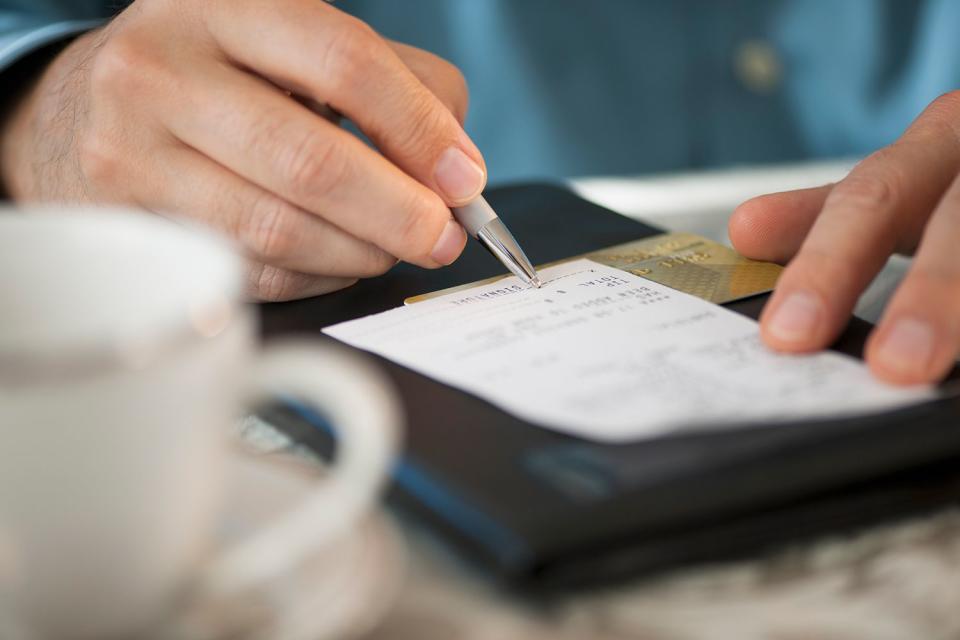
<point x="501" y="243"/>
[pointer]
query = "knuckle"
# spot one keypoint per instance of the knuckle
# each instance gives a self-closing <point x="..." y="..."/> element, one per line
<point x="264" y="131"/>
<point x="348" y="56"/>
<point x="864" y="192"/>
<point x="315" y="167"/>
<point x="949" y="102"/>
<point x="122" y="65"/>
<point x="459" y="92"/>
<point x="449" y="84"/>
<point x="376" y="262"/>
<point x="269" y="231"/>
<point x="420" y="225"/>
<point x="100" y="160"/>
<point x="942" y="117"/>
<point x="419" y="138"/>
<point x="270" y="284"/>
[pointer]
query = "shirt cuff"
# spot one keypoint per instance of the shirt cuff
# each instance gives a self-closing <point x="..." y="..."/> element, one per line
<point x="17" y="44"/>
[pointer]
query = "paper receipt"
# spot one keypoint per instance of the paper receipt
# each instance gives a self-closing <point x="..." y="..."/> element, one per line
<point x="603" y="354"/>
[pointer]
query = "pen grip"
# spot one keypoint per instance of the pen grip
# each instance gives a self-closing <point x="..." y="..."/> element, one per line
<point x="474" y="215"/>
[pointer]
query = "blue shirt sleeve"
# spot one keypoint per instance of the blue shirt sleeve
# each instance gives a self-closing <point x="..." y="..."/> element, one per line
<point x="29" y="25"/>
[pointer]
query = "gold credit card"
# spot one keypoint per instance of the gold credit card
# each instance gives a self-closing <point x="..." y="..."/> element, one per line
<point x="683" y="261"/>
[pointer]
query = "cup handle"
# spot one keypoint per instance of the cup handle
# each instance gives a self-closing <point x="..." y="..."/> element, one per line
<point x="365" y="414"/>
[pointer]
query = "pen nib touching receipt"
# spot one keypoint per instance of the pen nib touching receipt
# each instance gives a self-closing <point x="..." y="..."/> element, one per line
<point x="606" y="355"/>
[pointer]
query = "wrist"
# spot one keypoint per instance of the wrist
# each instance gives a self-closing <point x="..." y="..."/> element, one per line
<point x="13" y="143"/>
<point x="17" y="108"/>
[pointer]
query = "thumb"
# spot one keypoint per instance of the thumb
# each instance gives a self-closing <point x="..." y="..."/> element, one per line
<point x="772" y="227"/>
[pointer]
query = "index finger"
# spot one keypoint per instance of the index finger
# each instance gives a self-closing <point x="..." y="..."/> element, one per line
<point x="879" y="208"/>
<point x="318" y="51"/>
<point x="310" y="162"/>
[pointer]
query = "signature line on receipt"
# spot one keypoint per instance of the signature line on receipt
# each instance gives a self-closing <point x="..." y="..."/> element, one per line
<point x="566" y="275"/>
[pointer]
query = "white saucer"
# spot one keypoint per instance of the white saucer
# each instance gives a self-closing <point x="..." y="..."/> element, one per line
<point x="341" y="591"/>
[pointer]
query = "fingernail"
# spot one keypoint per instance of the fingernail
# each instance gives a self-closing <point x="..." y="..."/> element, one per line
<point x="460" y="178"/>
<point x="795" y="320"/>
<point x="907" y="346"/>
<point x="450" y="243"/>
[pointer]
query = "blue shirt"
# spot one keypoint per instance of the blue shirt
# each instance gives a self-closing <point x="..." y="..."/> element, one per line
<point x="565" y="87"/>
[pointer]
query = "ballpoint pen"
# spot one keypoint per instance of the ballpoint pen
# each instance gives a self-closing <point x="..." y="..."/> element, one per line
<point x="480" y="221"/>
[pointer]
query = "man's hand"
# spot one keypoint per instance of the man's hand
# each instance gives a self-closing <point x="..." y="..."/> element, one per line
<point x="226" y="111"/>
<point x="904" y="198"/>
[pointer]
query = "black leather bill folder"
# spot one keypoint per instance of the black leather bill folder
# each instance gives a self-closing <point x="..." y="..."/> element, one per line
<point x="541" y="509"/>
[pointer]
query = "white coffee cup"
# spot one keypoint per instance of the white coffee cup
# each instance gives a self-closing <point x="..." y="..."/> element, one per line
<point x="125" y="357"/>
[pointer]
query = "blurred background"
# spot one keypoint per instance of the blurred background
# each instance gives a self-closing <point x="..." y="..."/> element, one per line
<point x="563" y="88"/>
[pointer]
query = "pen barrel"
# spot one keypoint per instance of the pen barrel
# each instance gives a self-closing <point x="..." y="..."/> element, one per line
<point x="472" y="217"/>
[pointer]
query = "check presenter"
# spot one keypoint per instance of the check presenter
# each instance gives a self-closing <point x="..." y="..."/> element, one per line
<point x="228" y="112"/>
